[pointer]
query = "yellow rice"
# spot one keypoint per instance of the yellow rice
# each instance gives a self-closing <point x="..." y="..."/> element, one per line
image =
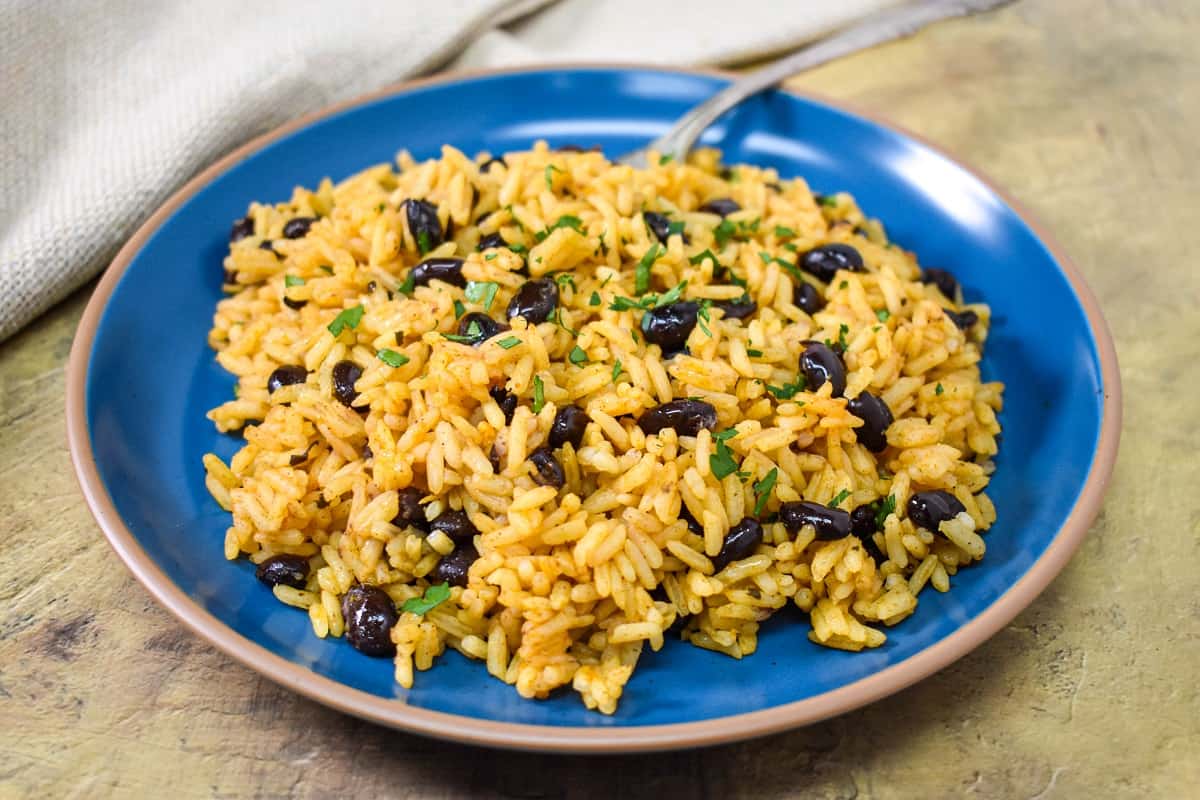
<point x="571" y="584"/>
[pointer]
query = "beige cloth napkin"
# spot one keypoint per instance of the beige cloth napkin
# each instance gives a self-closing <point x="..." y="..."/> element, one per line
<point x="109" y="107"/>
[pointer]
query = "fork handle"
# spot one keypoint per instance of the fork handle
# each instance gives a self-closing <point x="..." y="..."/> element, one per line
<point x="890" y="24"/>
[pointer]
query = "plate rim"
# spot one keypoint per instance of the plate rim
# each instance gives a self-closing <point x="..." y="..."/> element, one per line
<point x="396" y="713"/>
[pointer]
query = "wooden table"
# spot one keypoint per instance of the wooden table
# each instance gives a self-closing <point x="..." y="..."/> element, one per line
<point x="1090" y="113"/>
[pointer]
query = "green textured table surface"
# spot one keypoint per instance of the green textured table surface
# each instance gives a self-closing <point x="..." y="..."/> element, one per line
<point x="1089" y="112"/>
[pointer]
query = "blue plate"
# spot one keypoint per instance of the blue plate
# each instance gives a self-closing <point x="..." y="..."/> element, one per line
<point x="142" y="378"/>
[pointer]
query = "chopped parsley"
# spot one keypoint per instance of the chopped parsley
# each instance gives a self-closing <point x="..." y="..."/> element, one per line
<point x="788" y="390"/>
<point x="625" y="304"/>
<point x="665" y="158"/>
<point x="459" y="309"/>
<point x="675" y="227"/>
<point x="828" y="201"/>
<point x="841" y="340"/>
<point x="883" y="508"/>
<point x="518" y="248"/>
<point x="539" y="396"/>
<point x="671" y="296"/>
<point x="843" y="284"/>
<point x="724" y="232"/>
<point x="699" y="257"/>
<point x="559" y="322"/>
<point x="783" y="231"/>
<point x="882" y="315"/>
<point x="724" y="435"/>
<point x="721" y="462"/>
<point x="392" y="358"/>
<point x="408" y="286"/>
<point x="291" y="280"/>
<point x="328" y="270"/>
<point x="348" y="318"/>
<point x="474" y="333"/>
<point x="839" y="498"/>
<point x="434" y="596"/>
<point x="617" y="370"/>
<point x="754" y="353"/>
<point x="509" y="342"/>
<point x="482" y="292"/>
<point x="702" y="313"/>
<point x="939" y="390"/>
<point x="791" y="248"/>
<point x="577" y="356"/>
<point x="603" y="244"/>
<point x="642" y="275"/>
<point x="565" y="221"/>
<point x="762" y="490"/>
<point x="381" y="207"/>
<point x="549" y="173"/>
<point x="490" y="257"/>
<point x="594" y="300"/>
<point x="424" y="242"/>
<point x="565" y="279"/>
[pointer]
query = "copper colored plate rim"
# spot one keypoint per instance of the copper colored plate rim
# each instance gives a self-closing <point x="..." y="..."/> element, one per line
<point x="396" y="713"/>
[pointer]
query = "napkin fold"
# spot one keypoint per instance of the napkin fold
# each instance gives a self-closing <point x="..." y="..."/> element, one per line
<point x="109" y="107"/>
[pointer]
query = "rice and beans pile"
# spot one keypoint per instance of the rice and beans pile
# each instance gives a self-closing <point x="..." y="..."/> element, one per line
<point x="548" y="411"/>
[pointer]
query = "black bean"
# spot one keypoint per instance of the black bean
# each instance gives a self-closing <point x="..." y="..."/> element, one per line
<point x="479" y="327"/>
<point x="371" y="287"/>
<point x="660" y="226"/>
<point x="283" y="569"/>
<point x="411" y="512"/>
<point x="569" y="424"/>
<point x="367" y="452"/>
<point x="490" y="241"/>
<point x="423" y="224"/>
<point x="453" y="569"/>
<point x="806" y="298"/>
<point x="825" y="261"/>
<point x="741" y="542"/>
<point x="491" y="162"/>
<point x="669" y="326"/>
<point x="862" y="525"/>
<point x="876" y="417"/>
<point x="370" y="616"/>
<point x="267" y="244"/>
<point x="506" y="400"/>
<point x="447" y="270"/>
<point x="721" y="205"/>
<point x="286" y="376"/>
<point x="740" y="308"/>
<point x="297" y="227"/>
<point x="295" y="305"/>
<point x="455" y="524"/>
<point x="230" y="276"/>
<point x="929" y="510"/>
<point x="242" y="228"/>
<point x="693" y="524"/>
<point x="535" y="301"/>
<point x="546" y="469"/>
<point x="494" y="459"/>
<point x="964" y="320"/>
<point x="345" y="375"/>
<point x="819" y="363"/>
<point x="830" y="523"/>
<point x="687" y="417"/>
<point x="942" y="279"/>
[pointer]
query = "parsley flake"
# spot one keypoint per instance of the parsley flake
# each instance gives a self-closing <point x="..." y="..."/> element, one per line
<point x="721" y="463"/>
<point x="762" y="490"/>
<point x="408" y="286"/>
<point x="754" y="353"/>
<point x="482" y="292"/>
<point x="509" y="342"/>
<point x="665" y="159"/>
<point x="539" y="396"/>
<point x="617" y="370"/>
<point x="565" y="279"/>
<point x="939" y="390"/>
<point x="882" y="315"/>
<point x="434" y="596"/>
<point x="565" y="221"/>
<point x="594" y="300"/>
<point x="577" y="356"/>
<point x="699" y="257"/>
<point x="783" y="231"/>
<point x="841" y="340"/>
<point x="788" y="390"/>
<point x="424" y="242"/>
<point x="724" y="232"/>
<point x="828" y="201"/>
<point x="549" y="173"/>
<point x="839" y="498"/>
<point x="348" y="318"/>
<point x="328" y="270"/>
<point x="291" y="280"/>
<point x="459" y="309"/>
<point x="392" y="358"/>
<point x="884" y="508"/>
<point x="642" y="275"/>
